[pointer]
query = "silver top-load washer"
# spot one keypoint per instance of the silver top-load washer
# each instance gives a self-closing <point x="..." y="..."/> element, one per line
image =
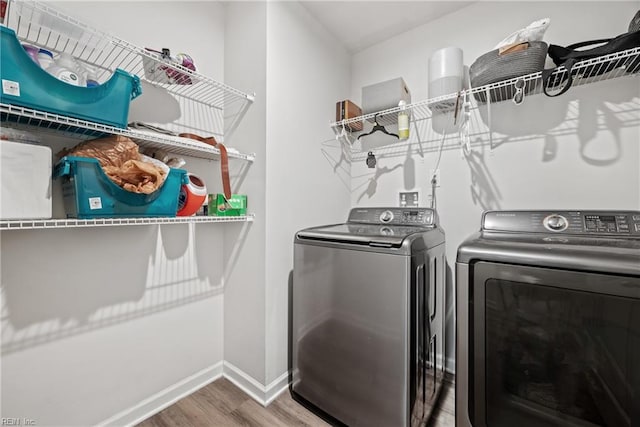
<point x="367" y="336"/>
<point x="548" y="320"/>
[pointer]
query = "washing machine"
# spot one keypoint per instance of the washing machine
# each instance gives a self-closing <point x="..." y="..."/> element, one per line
<point x="367" y="326"/>
<point x="548" y="320"/>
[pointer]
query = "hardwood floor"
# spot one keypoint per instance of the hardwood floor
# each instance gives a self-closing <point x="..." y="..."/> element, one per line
<point x="444" y="414"/>
<point x="221" y="403"/>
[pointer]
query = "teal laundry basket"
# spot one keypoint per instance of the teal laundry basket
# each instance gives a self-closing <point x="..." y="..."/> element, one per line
<point x="89" y="193"/>
<point x="25" y="84"/>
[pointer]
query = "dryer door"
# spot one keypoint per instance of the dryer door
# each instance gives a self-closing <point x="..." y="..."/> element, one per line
<point x="553" y="347"/>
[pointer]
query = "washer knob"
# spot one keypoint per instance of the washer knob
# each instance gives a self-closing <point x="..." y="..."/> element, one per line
<point x="556" y="222"/>
<point x="386" y="216"/>
<point x="386" y="231"/>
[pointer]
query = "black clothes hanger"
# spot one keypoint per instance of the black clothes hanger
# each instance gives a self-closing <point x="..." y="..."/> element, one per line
<point x="377" y="127"/>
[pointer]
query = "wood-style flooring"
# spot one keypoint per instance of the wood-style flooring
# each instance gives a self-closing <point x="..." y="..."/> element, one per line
<point x="221" y="403"/>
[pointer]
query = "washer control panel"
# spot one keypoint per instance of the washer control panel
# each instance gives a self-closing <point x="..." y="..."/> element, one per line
<point x="615" y="223"/>
<point x="394" y="216"/>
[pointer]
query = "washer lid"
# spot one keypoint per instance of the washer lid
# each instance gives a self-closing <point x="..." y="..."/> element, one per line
<point x="363" y="234"/>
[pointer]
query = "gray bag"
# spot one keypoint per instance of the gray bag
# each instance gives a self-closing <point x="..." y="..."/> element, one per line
<point x="493" y="67"/>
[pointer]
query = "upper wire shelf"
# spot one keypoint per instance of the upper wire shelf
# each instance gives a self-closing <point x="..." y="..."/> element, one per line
<point x="220" y="106"/>
<point x="620" y="64"/>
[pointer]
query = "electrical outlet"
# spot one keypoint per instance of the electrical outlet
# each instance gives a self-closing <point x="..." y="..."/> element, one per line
<point x="437" y="174"/>
<point x="409" y="199"/>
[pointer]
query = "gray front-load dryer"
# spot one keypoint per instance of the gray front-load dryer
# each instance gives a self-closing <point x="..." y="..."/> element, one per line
<point x="367" y="338"/>
<point x="548" y="320"/>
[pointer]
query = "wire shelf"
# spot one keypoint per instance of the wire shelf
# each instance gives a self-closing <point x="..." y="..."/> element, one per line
<point x="615" y="65"/>
<point x="42" y="25"/>
<point x="115" y="222"/>
<point x="81" y="129"/>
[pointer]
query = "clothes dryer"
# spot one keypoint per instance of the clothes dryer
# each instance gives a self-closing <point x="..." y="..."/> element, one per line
<point x="548" y="320"/>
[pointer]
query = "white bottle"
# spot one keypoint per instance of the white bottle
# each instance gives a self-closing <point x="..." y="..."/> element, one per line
<point x="65" y="69"/>
<point x="90" y="76"/>
<point x="403" y="121"/>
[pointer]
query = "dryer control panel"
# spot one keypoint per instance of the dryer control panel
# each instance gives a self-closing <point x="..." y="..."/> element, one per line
<point x="614" y="223"/>
<point x="394" y="216"/>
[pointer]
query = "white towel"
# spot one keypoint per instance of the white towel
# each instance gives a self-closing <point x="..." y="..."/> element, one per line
<point x="532" y="32"/>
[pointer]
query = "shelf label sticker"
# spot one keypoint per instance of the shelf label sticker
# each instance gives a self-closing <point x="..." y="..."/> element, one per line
<point x="95" y="203"/>
<point x="10" y="87"/>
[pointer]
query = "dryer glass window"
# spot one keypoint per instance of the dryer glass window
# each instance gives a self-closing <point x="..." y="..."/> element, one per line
<point x="556" y="356"/>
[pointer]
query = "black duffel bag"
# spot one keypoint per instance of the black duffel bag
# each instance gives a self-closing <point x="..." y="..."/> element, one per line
<point x="570" y="55"/>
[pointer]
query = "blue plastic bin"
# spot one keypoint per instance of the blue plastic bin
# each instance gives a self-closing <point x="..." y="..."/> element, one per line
<point x="89" y="193"/>
<point x="25" y="84"/>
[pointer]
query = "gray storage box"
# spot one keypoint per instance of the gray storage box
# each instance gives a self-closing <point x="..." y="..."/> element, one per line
<point x="385" y="95"/>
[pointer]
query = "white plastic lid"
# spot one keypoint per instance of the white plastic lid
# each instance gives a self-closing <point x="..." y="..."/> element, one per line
<point x="446" y="62"/>
<point x="45" y="52"/>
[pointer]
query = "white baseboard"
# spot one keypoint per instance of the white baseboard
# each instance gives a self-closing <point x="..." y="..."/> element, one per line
<point x="258" y="392"/>
<point x="165" y="398"/>
<point x="244" y="382"/>
<point x="276" y="387"/>
<point x="161" y="400"/>
<point x="450" y="365"/>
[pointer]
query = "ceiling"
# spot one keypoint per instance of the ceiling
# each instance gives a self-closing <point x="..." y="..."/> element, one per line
<point x="361" y="24"/>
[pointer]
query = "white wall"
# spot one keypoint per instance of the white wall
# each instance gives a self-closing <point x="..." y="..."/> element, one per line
<point x="94" y="321"/>
<point x="291" y="175"/>
<point x="307" y="72"/>
<point x="245" y="67"/>
<point x="578" y="151"/>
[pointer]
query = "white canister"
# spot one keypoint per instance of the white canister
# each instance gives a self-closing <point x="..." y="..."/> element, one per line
<point x="446" y="72"/>
<point x="446" y="77"/>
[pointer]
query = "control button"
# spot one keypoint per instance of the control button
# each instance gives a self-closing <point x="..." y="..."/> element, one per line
<point x="555" y="222"/>
<point x="623" y="226"/>
<point x="636" y="217"/>
<point x="637" y="227"/>
<point x="621" y="216"/>
<point x="386" y="216"/>
<point x="386" y="231"/>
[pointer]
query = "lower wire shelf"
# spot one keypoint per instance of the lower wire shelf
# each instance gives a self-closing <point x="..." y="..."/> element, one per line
<point x="111" y="222"/>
